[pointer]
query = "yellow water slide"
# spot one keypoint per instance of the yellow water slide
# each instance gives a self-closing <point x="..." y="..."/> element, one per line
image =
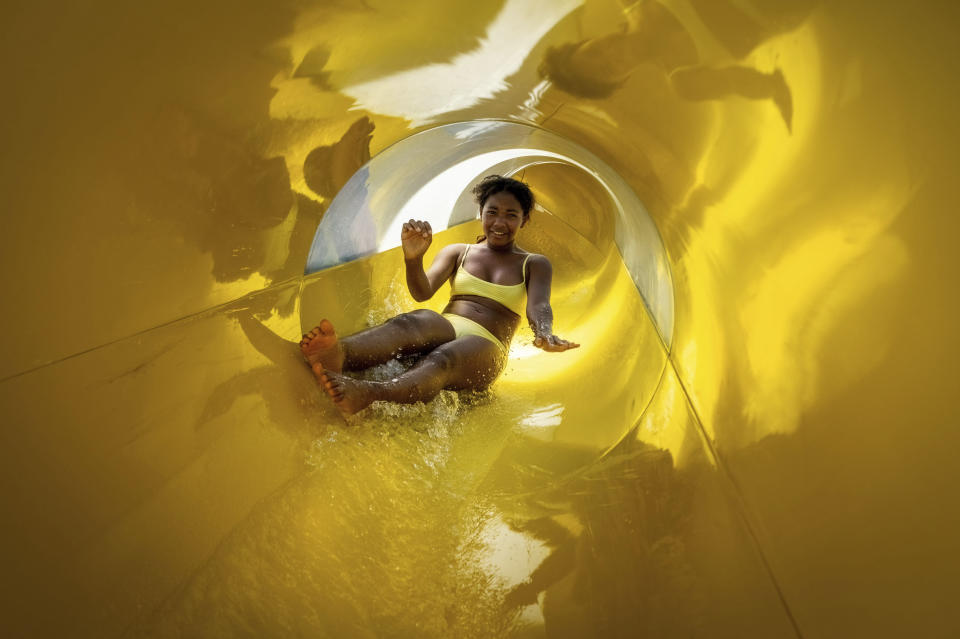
<point x="749" y="205"/>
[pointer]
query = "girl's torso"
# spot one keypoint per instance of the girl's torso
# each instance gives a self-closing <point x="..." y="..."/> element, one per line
<point x="490" y="289"/>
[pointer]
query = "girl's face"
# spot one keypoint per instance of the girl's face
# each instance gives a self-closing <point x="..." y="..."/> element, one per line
<point x="502" y="216"/>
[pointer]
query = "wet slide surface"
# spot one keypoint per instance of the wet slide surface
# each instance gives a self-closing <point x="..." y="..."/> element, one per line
<point x="748" y="209"/>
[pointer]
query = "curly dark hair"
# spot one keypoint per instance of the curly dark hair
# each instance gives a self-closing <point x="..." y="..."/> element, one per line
<point x="493" y="184"/>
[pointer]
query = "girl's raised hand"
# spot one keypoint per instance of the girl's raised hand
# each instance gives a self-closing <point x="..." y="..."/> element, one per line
<point x="553" y="344"/>
<point x="415" y="237"/>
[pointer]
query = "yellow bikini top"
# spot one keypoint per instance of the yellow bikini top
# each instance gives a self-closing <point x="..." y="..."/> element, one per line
<point x="512" y="296"/>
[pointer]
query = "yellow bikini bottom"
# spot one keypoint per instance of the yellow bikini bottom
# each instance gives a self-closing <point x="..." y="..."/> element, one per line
<point x="463" y="326"/>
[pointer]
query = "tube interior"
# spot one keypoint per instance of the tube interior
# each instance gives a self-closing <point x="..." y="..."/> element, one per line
<point x="774" y="458"/>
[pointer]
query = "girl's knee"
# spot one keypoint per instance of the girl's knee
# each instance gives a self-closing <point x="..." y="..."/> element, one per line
<point x="424" y="326"/>
<point x="407" y="321"/>
<point x="443" y="358"/>
<point x="425" y="315"/>
<point x="422" y="319"/>
<point x="475" y="366"/>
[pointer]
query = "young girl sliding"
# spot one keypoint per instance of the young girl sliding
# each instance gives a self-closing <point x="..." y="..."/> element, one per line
<point x="492" y="283"/>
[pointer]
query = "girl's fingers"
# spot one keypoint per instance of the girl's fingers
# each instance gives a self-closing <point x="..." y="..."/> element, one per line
<point x="554" y="344"/>
<point x="417" y="227"/>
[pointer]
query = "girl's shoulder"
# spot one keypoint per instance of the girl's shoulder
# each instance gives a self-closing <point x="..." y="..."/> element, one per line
<point x="455" y="248"/>
<point x="530" y="256"/>
<point x="536" y="263"/>
<point x="451" y="254"/>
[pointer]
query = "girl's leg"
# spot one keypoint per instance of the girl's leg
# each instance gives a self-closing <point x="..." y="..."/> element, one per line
<point x="411" y="333"/>
<point x="419" y="331"/>
<point x="469" y="362"/>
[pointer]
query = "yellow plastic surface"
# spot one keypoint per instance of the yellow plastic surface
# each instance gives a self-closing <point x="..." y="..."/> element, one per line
<point x="785" y="469"/>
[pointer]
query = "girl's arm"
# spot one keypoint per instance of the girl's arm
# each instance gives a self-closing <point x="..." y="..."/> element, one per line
<point x="415" y="238"/>
<point x="539" y="313"/>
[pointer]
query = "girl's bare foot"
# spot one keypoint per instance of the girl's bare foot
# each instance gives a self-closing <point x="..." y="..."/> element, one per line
<point x="321" y="346"/>
<point x="349" y="395"/>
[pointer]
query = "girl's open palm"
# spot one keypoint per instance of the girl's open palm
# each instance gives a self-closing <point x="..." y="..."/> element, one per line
<point x="553" y="344"/>
<point x="415" y="237"/>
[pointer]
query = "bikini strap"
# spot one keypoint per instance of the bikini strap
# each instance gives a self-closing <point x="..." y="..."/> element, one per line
<point x="463" y="258"/>
<point x="524" y="268"/>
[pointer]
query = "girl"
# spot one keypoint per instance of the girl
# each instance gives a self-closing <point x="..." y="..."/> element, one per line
<point x="465" y="347"/>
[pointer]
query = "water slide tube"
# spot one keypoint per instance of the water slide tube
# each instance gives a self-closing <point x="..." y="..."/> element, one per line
<point x="749" y="209"/>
